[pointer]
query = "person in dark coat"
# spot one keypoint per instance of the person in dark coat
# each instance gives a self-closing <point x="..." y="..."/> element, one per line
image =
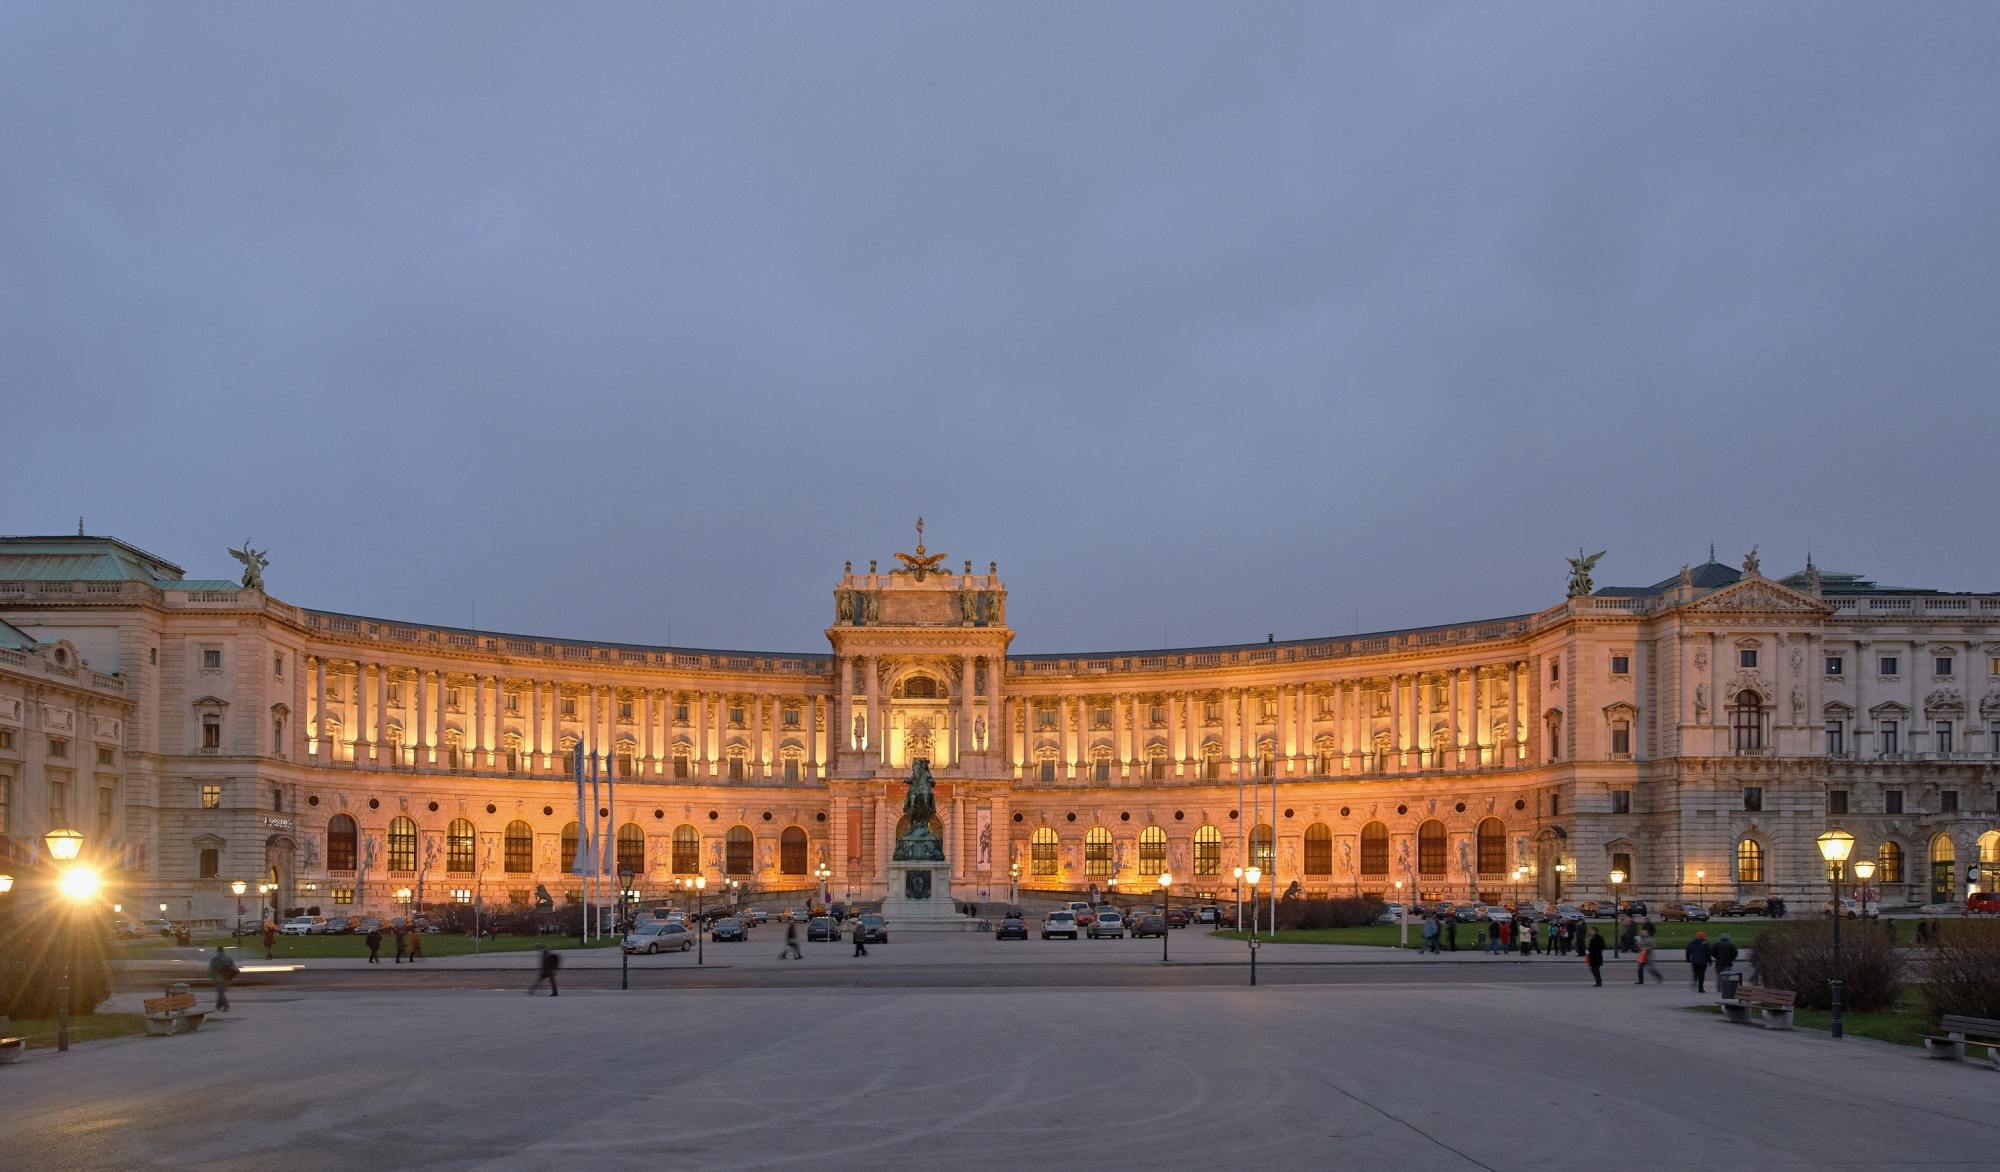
<point x="1697" y="958"/>
<point x="860" y="945"/>
<point x="220" y="969"/>
<point x="551" y="961"/>
<point x="1451" y="932"/>
<point x="374" y="946"/>
<point x="1595" y="952"/>
<point x="791" y="942"/>
<point x="1723" y="953"/>
<point x="402" y="944"/>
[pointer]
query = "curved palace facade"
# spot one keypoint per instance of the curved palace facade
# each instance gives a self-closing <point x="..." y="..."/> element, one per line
<point x="1696" y="734"/>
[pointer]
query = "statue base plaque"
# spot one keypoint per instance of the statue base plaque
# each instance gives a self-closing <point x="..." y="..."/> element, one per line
<point x="919" y="899"/>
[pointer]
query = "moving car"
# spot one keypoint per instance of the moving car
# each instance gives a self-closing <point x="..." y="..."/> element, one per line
<point x="755" y="915"/>
<point x="1149" y="925"/>
<point x="161" y="926"/>
<point x="729" y="928"/>
<point x="1108" y="924"/>
<point x="1059" y="924"/>
<point x="1011" y="928"/>
<point x="871" y="929"/>
<point x="1852" y="909"/>
<point x="794" y="915"/>
<point x="657" y="936"/>
<point x="1206" y="914"/>
<point x="822" y="928"/>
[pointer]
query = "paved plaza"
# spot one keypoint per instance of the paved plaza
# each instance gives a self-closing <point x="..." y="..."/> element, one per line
<point x="1494" y="1069"/>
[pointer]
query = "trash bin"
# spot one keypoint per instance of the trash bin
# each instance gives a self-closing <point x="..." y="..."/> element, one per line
<point x="1726" y="982"/>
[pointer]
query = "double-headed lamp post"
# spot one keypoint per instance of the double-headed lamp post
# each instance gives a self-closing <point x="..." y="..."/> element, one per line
<point x="697" y="885"/>
<point x="1834" y="846"/>
<point x="625" y="877"/>
<point x="1617" y="877"/>
<point x="1251" y="875"/>
<point x="77" y="884"/>
<point x="1166" y="911"/>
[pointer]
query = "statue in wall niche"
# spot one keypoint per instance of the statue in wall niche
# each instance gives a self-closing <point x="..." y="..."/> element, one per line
<point x="873" y="606"/>
<point x="312" y="852"/>
<point x="1700" y="701"/>
<point x="1579" y="572"/>
<point x="1798" y="705"/>
<point x="979" y="730"/>
<point x="1464" y="856"/>
<point x="1798" y="659"/>
<point x="843" y="606"/>
<point x="1347" y="855"/>
<point x="1701" y="659"/>
<point x="254" y="563"/>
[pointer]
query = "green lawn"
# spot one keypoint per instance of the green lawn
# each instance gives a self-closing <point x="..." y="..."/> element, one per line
<point x="319" y="947"/>
<point x="41" y="1031"/>
<point x="1669" y="935"/>
<point x="1904" y="1025"/>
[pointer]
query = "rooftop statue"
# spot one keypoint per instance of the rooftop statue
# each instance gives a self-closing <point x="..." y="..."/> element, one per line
<point x="1579" y="572"/>
<point x="254" y="562"/>
<point x="920" y="564"/>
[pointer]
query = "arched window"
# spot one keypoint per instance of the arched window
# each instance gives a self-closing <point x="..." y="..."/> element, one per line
<point x="520" y="848"/>
<point x="792" y="851"/>
<point x="1746" y="722"/>
<point x="632" y="848"/>
<point x="1749" y="861"/>
<point x="402" y="844"/>
<point x="340" y="843"/>
<point x="1889" y="863"/>
<point x="1430" y="848"/>
<point x="1492" y="847"/>
<point x="570" y="835"/>
<point x="1319" y="849"/>
<point x="1097" y="852"/>
<point x="1152" y="852"/>
<point x="1260" y="851"/>
<point x="1042" y="850"/>
<point x="1375" y="850"/>
<point x="738" y="857"/>
<point x="1944" y="884"/>
<point x="459" y="847"/>
<point x="1208" y="851"/>
<point x="687" y="850"/>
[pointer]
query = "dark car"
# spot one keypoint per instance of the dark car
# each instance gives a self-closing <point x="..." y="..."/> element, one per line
<point x="822" y="928"/>
<point x="1148" y="925"/>
<point x="1011" y="928"/>
<point x="1725" y="907"/>
<point x="729" y="928"/>
<point x="1636" y="908"/>
<point x="1177" y="917"/>
<point x="871" y="929"/>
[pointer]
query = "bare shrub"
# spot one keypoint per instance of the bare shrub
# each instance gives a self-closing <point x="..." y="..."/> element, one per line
<point x="1961" y="974"/>
<point x="1799" y="956"/>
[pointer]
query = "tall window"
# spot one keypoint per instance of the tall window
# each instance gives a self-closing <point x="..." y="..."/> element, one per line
<point x="1208" y="851"/>
<point x="1430" y="848"/>
<point x="58" y="803"/>
<point x="1042" y="850"/>
<point x="571" y="836"/>
<point x="6" y="796"/>
<point x="1492" y="847"/>
<point x="340" y="843"/>
<point x="1152" y="851"/>
<point x="1892" y="801"/>
<point x="1746" y="657"/>
<point x="1156" y="766"/>
<point x="792" y="851"/>
<point x="1888" y="738"/>
<point x="680" y="761"/>
<point x="1753" y="798"/>
<point x="736" y="766"/>
<point x="1211" y="764"/>
<point x="1749" y="861"/>
<point x="1319" y="849"/>
<point x="632" y="848"/>
<point x="520" y="848"/>
<point x="1375" y="850"/>
<point x="402" y="844"/>
<point x="1746" y="722"/>
<point x="1942" y="735"/>
<point x="1100" y="767"/>
<point x="687" y="850"/>
<point x="459" y="847"/>
<point x="1262" y="854"/>
<point x="1097" y="852"/>
<point x="1889" y="863"/>
<point x="211" y="863"/>
<point x="739" y="855"/>
<point x="1621" y="738"/>
<point x="1836" y="738"/>
<point x="1048" y="772"/>
<point x="211" y="734"/>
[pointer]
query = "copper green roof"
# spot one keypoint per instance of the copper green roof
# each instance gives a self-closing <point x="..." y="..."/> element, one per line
<point x="81" y="559"/>
<point x="13" y="638"/>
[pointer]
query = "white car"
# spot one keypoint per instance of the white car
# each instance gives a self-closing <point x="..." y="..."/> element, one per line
<point x="300" y="926"/>
<point x="1059" y="924"/>
<point x="1391" y="914"/>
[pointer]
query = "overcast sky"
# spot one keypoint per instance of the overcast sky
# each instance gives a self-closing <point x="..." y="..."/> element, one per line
<point x="1202" y="324"/>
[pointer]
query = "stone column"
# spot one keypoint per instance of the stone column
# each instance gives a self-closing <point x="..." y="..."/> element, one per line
<point x="955" y="836"/>
<point x="359" y="703"/>
<point x="1230" y="699"/>
<point x="320" y="748"/>
<point x="1479" y="734"/>
<point x="420" y="747"/>
<point x="872" y="758"/>
<point x="1514" y="722"/>
<point x="1175" y="748"/>
<point x="1451" y="678"/>
<point x="756" y="754"/>
<point x="968" y="680"/>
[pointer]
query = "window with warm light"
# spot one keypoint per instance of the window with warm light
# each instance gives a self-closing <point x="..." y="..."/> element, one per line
<point x="1207" y="851"/>
<point x="1042" y="850"/>
<point x="211" y="797"/>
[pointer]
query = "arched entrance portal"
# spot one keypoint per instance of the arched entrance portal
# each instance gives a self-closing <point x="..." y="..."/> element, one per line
<point x="1943" y="857"/>
<point x="280" y="868"/>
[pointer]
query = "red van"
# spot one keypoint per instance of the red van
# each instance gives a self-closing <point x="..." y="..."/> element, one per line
<point x="1983" y="901"/>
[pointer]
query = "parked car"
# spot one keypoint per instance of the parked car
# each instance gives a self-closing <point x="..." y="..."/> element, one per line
<point x="1983" y="903"/>
<point x="871" y="929"/>
<point x="755" y="915"/>
<point x="1206" y="914"/>
<point x="300" y="926"/>
<point x="1853" y="909"/>
<point x="1468" y="913"/>
<point x="795" y="915"/>
<point x="1635" y="908"/>
<point x="656" y="936"/>
<point x="160" y="927"/>
<point x="1392" y="913"/>
<point x="1149" y="925"/>
<point x="1726" y="907"/>
<point x="1177" y="917"/>
<point x="1108" y="924"/>
<point x="1568" y="913"/>
<point x="1591" y="909"/>
<point x="1059" y="924"/>
<point x="1011" y="928"/>
<point x="729" y="928"/>
<point x="822" y="928"/>
<point x="1082" y="912"/>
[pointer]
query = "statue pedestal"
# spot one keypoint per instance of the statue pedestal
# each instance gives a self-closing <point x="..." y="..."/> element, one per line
<point x="907" y="912"/>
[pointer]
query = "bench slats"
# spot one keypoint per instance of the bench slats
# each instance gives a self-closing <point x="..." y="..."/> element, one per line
<point x="1981" y="1026"/>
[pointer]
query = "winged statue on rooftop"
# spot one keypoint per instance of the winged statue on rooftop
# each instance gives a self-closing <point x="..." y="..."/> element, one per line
<point x="920" y="563"/>
<point x="1579" y="572"/>
<point x="254" y="562"/>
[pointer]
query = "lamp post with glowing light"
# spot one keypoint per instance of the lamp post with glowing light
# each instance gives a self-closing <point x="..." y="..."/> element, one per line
<point x="1251" y="875"/>
<point x="1239" y="898"/>
<point x="823" y="874"/>
<point x="625" y="877"/>
<point x="1834" y="847"/>
<point x="1166" y="911"/>
<point x="697" y="884"/>
<point x="1617" y="877"/>
<point x="1402" y="918"/>
<point x="1701" y="888"/>
<point x="1013" y="884"/>
<point x="1520" y="873"/>
<point x="1561" y="869"/>
<point x="77" y="884"/>
<point x="237" y="888"/>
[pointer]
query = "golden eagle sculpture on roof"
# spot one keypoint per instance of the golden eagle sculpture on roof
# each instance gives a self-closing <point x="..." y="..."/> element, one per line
<point x="920" y="563"/>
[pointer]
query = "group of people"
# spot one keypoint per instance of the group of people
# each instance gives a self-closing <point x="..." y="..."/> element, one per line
<point x="409" y="944"/>
<point x="1561" y="937"/>
<point x="1567" y="937"/>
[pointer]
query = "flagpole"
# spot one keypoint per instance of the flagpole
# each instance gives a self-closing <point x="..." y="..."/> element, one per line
<point x="582" y="844"/>
<point x="604" y="866"/>
<point x="596" y="842"/>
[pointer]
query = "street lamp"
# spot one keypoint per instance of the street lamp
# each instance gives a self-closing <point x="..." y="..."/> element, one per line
<point x="1561" y="869"/>
<point x="1239" y="898"/>
<point x="64" y="844"/>
<point x="1701" y="887"/>
<point x="1013" y="884"/>
<point x="78" y="883"/>
<point x="7" y="885"/>
<point x="1520" y="873"/>
<point x="1251" y="875"/>
<point x="1617" y="876"/>
<point x="1402" y="918"/>
<point x="1834" y="847"/>
<point x="237" y="888"/>
<point x="697" y="885"/>
<point x="1864" y="870"/>
<point x="624" y="910"/>
<point x="824" y="873"/>
<point x="1166" y="911"/>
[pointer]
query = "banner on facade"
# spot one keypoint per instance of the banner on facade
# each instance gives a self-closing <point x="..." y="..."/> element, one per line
<point x="985" y="840"/>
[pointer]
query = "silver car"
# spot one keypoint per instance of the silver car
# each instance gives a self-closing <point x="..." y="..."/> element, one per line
<point x="659" y="936"/>
<point x="1059" y="924"/>
<point x="1108" y="924"/>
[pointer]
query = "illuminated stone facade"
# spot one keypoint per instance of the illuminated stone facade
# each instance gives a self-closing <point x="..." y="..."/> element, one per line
<point x="1698" y="733"/>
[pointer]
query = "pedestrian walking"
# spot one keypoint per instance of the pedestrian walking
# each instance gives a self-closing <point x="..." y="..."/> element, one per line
<point x="221" y="969"/>
<point x="860" y="940"/>
<point x="1451" y="931"/>
<point x="1595" y="954"/>
<point x="270" y="938"/>
<point x="1646" y="964"/>
<point x="551" y="961"/>
<point x="1430" y="934"/>
<point x="791" y="942"/>
<point x="1506" y="928"/>
<point x="402" y="945"/>
<point x="1555" y="934"/>
<point x="416" y="945"/>
<point x="374" y="946"/>
<point x="1697" y="958"/>
<point x="1723" y="953"/>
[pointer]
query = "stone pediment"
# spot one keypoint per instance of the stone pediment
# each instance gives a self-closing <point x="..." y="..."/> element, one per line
<point x="1759" y="595"/>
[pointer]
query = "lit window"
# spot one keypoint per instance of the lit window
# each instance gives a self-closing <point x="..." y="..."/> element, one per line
<point x="343" y="896"/>
<point x="211" y="797"/>
<point x="1835" y="665"/>
<point x="687" y="850"/>
<point x="1153" y="851"/>
<point x="1042" y="851"/>
<point x="1749" y="861"/>
<point x="1097" y="852"/>
<point x="402" y="845"/>
<point x="1208" y="851"/>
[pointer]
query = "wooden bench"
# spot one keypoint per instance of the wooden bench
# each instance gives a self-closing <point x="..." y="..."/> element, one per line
<point x="1775" y="1005"/>
<point x="173" y="1014"/>
<point x="1960" y="1032"/>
